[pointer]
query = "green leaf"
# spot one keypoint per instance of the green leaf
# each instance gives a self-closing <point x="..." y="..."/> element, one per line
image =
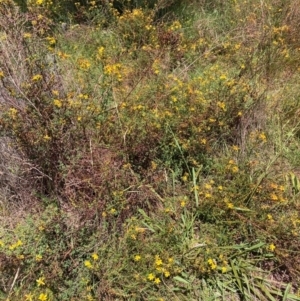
<point x="180" y="279"/>
<point x="237" y="278"/>
<point x="148" y="227"/>
<point x="286" y="292"/>
<point x="257" y="246"/>
<point x="242" y="209"/>
<point x="266" y="291"/>
<point x="143" y="213"/>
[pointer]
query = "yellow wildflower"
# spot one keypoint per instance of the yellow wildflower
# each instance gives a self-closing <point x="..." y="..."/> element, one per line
<point x="159" y="269"/>
<point x="100" y="52"/>
<point x="272" y="247"/>
<point x="84" y="63"/>
<point x="273" y="197"/>
<point x="47" y="138"/>
<point x="43" y="297"/>
<point x="167" y="274"/>
<point x="221" y="105"/>
<point x="55" y="92"/>
<point x="224" y="269"/>
<point x="185" y="177"/>
<point x="27" y="35"/>
<point x="137" y="258"/>
<point x="51" y="40"/>
<point x="95" y="256"/>
<point x="63" y="55"/>
<point x="36" y="77"/>
<point x="153" y="165"/>
<point x="38" y="257"/>
<point x="174" y="98"/>
<point x="12" y="112"/>
<point x="40" y="281"/>
<point x="235" y="169"/>
<point x="57" y="103"/>
<point x="156" y="280"/>
<point x="29" y="297"/>
<point x="83" y="96"/>
<point x="273" y="186"/>
<point x="88" y="264"/>
<point x="212" y="263"/>
<point x="207" y="186"/>
<point x="151" y="276"/>
<point x="237" y="46"/>
<point x="112" y="69"/>
<point x="171" y="260"/>
<point x="230" y="205"/>
<point x="112" y="211"/>
<point x="203" y="141"/>
<point x="182" y="203"/>
<point x="262" y="137"/>
<point x="158" y="261"/>
<point x="175" y="25"/>
<point x="15" y="245"/>
<point x="90" y="297"/>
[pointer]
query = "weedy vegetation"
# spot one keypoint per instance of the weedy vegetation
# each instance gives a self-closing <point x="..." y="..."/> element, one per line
<point x="149" y="150"/>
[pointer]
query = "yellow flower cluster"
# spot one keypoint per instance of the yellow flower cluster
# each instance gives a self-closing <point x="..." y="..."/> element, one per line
<point x="232" y="166"/>
<point x="175" y="25"/>
<point x="83" y="63"/>
<point x="90" y="265"/>
<point x="41" y="297"/>
<point x="27" y="35"/>
<point x="100" y="52"/>
<point x="51" y="41"/>
<point x="16" y="245"/>
<point x="12" y="113"/>
<point x="212" y="264"/>
<point x="114" y="70"/>
<point x="131" y="15"/>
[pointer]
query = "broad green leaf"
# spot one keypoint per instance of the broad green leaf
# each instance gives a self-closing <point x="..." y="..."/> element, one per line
<point x="180" y="279"/>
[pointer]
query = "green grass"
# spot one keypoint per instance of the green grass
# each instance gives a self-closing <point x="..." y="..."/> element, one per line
<point x="155" y="152"/>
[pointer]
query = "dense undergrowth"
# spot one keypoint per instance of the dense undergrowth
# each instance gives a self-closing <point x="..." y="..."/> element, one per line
<point x="149" y="152"/>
